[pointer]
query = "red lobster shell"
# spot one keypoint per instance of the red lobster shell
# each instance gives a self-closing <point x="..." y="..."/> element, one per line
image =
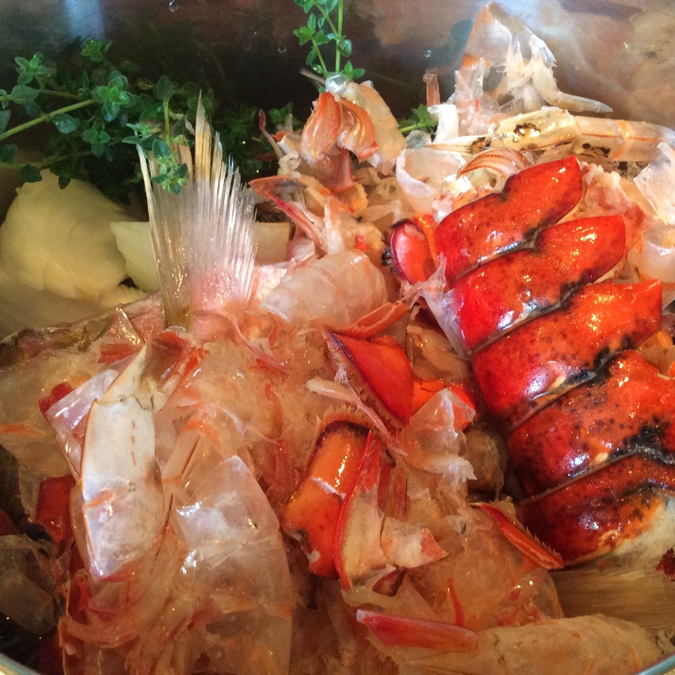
<point x="588" y="420"/>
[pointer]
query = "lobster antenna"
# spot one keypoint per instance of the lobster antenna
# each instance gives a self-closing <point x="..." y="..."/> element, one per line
<point x="203" y="236"/>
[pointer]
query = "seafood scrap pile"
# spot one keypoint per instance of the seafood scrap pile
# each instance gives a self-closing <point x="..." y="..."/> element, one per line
<point x="371" y="454"/>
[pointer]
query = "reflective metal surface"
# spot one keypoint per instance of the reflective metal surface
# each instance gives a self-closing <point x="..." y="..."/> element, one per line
<point x="9" y="667"/>
<point x="619" y="51"/>
<point x="663" y="667"/>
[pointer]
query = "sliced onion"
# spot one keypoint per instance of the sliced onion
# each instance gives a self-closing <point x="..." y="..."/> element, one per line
<point x="60" y="240"/>
<point x="135" y="244"/>
<point x="24" y="307"/>
<point x="448" y="122"/>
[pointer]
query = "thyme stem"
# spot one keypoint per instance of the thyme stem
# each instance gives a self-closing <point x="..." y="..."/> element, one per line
<point x="60" y="94"/>
<point x="338" y="33"/>
<point x="45" y="118"/>
<point x="326" y="73"/>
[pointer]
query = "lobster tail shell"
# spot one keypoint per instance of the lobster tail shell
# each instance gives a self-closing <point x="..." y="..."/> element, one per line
<point x="593" y="515"/>
<point x="591" y="434"/>
<point x="501" y="295"/>
<point x="503" y="222"/>
<point x="543" y="359"/>
<point x="628" y="410"/>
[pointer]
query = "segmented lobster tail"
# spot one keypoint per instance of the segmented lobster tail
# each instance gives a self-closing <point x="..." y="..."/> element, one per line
<point x="589" y="422"/>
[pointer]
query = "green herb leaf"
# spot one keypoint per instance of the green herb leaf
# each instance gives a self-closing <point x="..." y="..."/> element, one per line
<point x="7" y="153"/>
<point x="353" y="73"/>
<point x="95" y="50"/>
<point x="324" y="25"/>
<point x="344" y="46"/>
<point x="65" y="123"/>
<point x="4" y="119"/>
<point x="111" y="110"/>
<point x="129" y="67"/>
<point x="98" y="149"/>
<point x="24" y="64"/>
<point x="22" y="94"/>
<point x="303" y="34"/>
<point x="131" y="140"/>
<point x="32" y="109"/>
<point x="34" y="69"/>
<point x="418" y="120"/>
<point x="164" y="89"/>
<point x="160" y="148"/>
<point x="118" y="83"/>
<point x="88" y="105"/>
<point x="26" y="74"/>
<point x="320" y="38"/>
<point x="278" y="116"/>
<point x="95" y="135"/>
<point x="305" y="4"/>
<point x="30" y="173"/>
<point x="312" y="56"/>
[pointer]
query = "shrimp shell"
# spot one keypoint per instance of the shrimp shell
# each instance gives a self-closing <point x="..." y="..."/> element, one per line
<point x="588" y="137"/>
<point x="338" y="289"/>
<point x="390" y="141"/>
<point x="593" y="645"/>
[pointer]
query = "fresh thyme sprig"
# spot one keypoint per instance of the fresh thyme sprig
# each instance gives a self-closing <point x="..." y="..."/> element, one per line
<point x="324" y="27"/>
<point x="419" y="119"/>
<point x="92" y="113"/>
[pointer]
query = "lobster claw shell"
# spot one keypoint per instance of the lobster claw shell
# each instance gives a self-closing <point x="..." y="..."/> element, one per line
<point x="323" y="126"/>
<point x="356" y="545"/>
<point x="313" y="511"/>
<point x="412" y="249"/>
<point x="383" y="368"/>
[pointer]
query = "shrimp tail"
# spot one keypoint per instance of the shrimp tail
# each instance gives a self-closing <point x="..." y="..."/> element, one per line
<point x="203" y="236"/>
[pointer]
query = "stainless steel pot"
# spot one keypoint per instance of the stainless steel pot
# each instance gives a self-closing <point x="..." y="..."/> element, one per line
<point x="621" y="52"/>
